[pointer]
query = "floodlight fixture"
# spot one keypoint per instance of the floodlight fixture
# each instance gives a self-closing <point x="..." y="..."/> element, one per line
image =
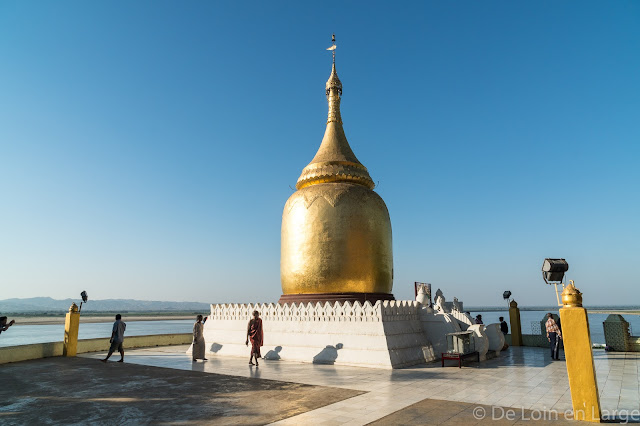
<point x="85" y="298"/>
<point x="554" y="269"/>
<point x="553" y="273"/>
<point x="506" y="295"/>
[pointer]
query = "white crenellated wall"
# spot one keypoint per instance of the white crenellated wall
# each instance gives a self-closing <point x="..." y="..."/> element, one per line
<point x="384" y="335"/>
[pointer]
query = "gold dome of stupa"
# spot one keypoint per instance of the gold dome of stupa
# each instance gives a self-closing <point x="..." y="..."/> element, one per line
<point x="336" y="231"/>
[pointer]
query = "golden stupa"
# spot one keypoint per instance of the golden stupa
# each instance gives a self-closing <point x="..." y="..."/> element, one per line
<point x="336" y="231"/>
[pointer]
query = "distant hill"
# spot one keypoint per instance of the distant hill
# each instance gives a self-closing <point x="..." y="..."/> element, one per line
<point x="47" y="304"/>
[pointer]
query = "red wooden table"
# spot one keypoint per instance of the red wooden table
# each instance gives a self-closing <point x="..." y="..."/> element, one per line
<point x="459" y="357"/>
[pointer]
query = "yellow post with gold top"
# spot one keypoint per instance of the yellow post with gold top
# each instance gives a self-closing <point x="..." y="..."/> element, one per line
<point x="71" y="327"/>
<point x="577" y="349"/>
<point x="516" y="327"/>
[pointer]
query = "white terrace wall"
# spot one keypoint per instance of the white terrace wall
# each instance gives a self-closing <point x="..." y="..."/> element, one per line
<point x="385" y="335"/>
<point x="45" y="350"/>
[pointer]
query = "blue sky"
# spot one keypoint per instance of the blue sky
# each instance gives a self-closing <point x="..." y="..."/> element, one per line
<point x="147" y="148"/>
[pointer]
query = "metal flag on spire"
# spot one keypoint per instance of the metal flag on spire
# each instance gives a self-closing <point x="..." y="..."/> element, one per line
<point x="333" y="48"/>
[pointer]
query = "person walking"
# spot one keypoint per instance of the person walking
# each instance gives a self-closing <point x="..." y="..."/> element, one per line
<point x="4" y="326"/>
<point x="117" y="338"/>
<point x="256" y="336"/>
<point x="503" y="326"/>
<point x="553" y="335"/>
<point x="198" y="340"/>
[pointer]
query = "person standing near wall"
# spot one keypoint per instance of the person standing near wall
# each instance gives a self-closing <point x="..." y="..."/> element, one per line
<point x="3" y="324"/>
<point x="117" y="338"/>
<point x="255" y="334"/>
<point x="553" y="335"/>
<point x="503" y="326"/>
<point x="198" y="340"/>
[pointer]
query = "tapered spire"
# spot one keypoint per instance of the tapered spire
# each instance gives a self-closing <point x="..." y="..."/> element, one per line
<point x="334" y="161"/>
<point x="334" y="88"/>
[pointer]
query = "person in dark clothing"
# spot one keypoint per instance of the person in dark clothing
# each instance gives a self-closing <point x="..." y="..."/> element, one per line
<point x="503" y="326"/>
<point x="117" y="338"/>
<point x="4" y="326"/>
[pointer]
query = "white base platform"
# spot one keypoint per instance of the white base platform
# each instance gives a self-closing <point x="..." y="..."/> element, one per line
<point x="388" y="334"/>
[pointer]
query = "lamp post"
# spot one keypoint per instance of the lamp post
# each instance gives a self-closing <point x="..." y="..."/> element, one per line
<point x="577" y="344"/>
<point x="72" y="326"/>
<point x="85" y="298"/>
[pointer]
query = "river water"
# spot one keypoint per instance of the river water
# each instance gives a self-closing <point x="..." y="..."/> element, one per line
<point x="26" y="334"/>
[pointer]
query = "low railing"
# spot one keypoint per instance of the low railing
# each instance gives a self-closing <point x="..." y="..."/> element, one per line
<point x="462" y="317"/>
<point x="45" y="350"/>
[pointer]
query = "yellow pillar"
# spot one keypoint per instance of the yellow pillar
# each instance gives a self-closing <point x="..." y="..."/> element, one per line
<point x="71" y="326"/>
<point x="577" y="350"/>
<point x="516" y="327"/>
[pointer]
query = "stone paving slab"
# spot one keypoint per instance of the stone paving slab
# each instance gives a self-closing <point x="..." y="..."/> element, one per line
<point x="81" y="390"/>
<point x="435" y="412"/>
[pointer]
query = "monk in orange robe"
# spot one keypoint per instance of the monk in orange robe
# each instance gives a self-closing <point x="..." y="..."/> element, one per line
<point x="255" y="335"/>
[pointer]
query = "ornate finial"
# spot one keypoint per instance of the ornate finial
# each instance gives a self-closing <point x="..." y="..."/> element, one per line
<point x="333" y="49"/>
<point x="333" y="88"/>
<point x="73" y="308"/>
<point x="571" y="296"/>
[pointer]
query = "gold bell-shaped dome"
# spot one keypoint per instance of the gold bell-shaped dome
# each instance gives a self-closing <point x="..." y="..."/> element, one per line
<point x="336" y="231"/>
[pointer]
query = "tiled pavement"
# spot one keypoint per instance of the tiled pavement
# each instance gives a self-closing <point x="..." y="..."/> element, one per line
<point x="432" y="411"/>
<point x="82" y="391"/>
<point x="525" y="378"/>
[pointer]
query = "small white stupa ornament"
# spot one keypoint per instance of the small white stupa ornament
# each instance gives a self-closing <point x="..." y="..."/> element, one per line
<point x="422" y="296"/>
